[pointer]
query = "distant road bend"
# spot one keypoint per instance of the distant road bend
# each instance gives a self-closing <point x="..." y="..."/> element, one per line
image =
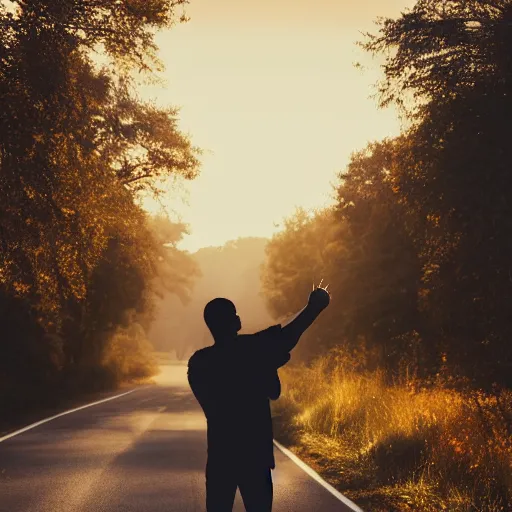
<point x="142" y="451"/>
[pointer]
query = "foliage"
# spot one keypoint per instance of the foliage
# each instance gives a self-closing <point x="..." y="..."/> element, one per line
<point x="400" y="447"/>
<point x="76" y="145"/>
<point x="364" y="251"/>
<point x="421" y="266"/>
<point x="305" y="251"/>
<point x="455" y="58"/>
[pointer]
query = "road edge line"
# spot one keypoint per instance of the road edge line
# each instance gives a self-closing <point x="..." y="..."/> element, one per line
<point x="47" y="420"/>
<point x="315" y="476"/>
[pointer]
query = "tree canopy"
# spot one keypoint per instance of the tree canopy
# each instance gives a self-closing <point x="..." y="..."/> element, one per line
<point x="76" y="146"/>
<point x="422" y="264"/>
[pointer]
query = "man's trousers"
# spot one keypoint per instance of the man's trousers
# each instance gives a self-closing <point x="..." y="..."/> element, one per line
<point x="254" y="483"/>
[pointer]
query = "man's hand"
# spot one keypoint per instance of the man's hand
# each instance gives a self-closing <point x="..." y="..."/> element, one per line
<point x="319" y="298"/>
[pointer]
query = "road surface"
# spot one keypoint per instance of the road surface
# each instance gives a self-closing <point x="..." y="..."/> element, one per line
<point x="142" y="452"/>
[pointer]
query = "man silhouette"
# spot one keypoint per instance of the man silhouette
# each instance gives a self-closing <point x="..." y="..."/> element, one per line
<point x="233" y="381"/>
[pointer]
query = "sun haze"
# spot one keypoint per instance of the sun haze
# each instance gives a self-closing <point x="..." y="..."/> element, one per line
<point x="268" y="89"/>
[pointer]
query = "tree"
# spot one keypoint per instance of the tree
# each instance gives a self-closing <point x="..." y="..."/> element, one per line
<point x="454" y="59"/>
<point x="76" y="145"/>
<point x="362" y="248"/>
<point x="176" y="271"/>
<point x="380" y="272"/>
<point x="307" y="250"/>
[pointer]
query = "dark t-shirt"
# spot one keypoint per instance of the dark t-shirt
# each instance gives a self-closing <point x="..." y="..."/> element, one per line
<point x="233" y="382"/>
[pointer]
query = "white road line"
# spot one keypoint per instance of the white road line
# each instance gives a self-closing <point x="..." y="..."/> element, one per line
<point x="34" y="425"/>
<point x="315" y="476"/>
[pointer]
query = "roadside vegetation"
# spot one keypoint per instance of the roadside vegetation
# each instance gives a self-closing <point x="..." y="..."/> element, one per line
<point x="80" y="261"/>
<point x="398" y="447"/>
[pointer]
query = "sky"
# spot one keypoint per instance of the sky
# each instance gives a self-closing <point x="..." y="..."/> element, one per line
<point x="268" y="89"/>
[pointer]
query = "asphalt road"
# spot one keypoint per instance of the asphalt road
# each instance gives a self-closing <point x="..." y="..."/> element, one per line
<point x="142" y="452"/>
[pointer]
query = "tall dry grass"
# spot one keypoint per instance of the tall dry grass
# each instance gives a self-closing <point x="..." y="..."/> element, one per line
<point x="398" y="447"/>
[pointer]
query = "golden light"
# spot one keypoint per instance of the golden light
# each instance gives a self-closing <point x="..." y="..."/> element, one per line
<point x="269" y="90"/>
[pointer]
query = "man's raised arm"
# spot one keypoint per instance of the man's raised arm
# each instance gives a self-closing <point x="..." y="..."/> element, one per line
<point x="319" y="299"/>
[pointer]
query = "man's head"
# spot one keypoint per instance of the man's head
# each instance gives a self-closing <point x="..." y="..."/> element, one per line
<point x="221" y="318"/>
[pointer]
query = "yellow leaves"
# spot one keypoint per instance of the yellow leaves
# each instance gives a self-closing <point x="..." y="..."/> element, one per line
<point x="70" y="268"/>
<point x="423" y="293"/>
<point x="42" y="276"/>
<point x="434" y="219"/>
<point x="21" y="288"/>
<point x="30" y="192"/>
<point x="68" y="211"/>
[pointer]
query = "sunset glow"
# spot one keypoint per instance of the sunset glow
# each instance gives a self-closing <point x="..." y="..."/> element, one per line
<point x="270" y="92"/>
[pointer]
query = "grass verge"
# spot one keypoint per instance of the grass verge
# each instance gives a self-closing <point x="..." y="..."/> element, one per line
<point x="398" y="448"/>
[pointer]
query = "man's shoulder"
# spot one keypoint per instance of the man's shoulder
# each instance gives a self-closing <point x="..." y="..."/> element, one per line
<point x="261" y="341"/>
<point x="270" y="332"/>
<point x="268" y="344"/>
<point x="201" y="357"/>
